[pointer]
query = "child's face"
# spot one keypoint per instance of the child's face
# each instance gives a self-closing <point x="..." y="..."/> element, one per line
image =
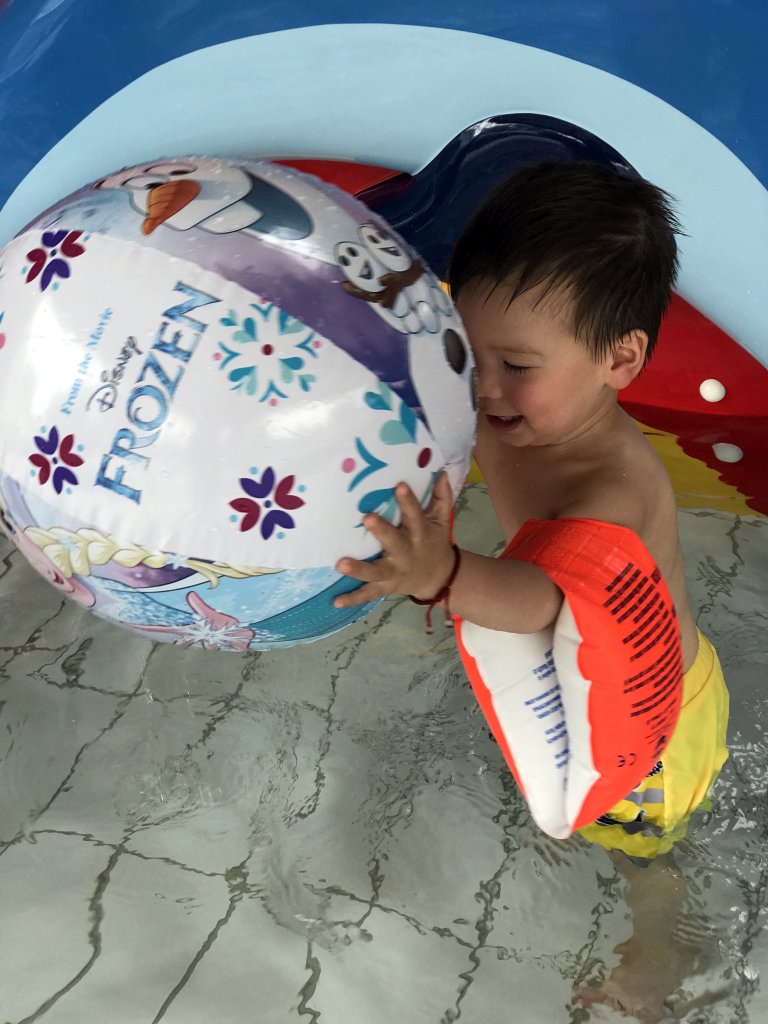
<point x="537" y="384"/>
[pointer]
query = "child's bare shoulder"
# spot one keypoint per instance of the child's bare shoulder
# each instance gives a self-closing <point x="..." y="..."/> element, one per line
<point x="628" y="485"/>
<point x="618" y="479"/>
<point x="624" y="483"/>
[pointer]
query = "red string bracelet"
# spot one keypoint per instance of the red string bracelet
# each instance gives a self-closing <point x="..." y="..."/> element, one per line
<point x="444" y="594"/>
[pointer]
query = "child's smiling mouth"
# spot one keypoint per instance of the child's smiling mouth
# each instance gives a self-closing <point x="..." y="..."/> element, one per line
<point x="504" y="422"/>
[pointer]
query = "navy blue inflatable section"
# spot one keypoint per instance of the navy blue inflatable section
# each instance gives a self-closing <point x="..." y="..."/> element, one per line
<point x="431" y="208"/>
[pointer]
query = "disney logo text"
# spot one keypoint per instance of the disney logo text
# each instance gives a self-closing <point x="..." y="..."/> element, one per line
<point x="105" y="396"/>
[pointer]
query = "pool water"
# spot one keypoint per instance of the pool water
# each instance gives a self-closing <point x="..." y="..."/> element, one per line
<point x="328" y="834"/>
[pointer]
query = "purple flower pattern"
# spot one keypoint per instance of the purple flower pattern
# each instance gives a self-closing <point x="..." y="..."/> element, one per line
<point x="47" y="261"/>
<point x="53" y="451"/>
<point x="258" y="498"/>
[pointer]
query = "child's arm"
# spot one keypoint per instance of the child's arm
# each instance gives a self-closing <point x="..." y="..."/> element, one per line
<point x="507" y="595"/>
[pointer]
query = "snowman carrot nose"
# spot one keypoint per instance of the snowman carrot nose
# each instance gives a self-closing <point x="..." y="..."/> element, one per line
<point x="166" y="200"/>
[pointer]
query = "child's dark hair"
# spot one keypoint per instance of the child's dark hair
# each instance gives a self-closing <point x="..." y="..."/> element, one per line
<point x="607" y="237"/>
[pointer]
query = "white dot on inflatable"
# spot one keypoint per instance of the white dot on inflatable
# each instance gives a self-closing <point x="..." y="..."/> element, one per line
<point x="728" y="452"/>
<point x="712" y="390"/>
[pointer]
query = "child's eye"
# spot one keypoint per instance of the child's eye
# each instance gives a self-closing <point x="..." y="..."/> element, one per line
<point x="514" y="368"/>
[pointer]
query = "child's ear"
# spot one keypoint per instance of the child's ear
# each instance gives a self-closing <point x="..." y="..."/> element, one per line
<point x="627" y="359"/>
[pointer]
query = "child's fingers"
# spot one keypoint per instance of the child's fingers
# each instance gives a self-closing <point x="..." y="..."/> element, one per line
<point x="411" y="510"/>
<point x="441" y="503"/>
<point x="368" y="592"/>
<point x="368" y="572"/>
<point x="389" y="536"/>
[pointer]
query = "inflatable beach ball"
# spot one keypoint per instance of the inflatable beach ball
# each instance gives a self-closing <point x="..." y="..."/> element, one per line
<point x="209" y="372"/>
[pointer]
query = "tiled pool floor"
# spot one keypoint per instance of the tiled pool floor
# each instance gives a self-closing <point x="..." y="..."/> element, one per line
<point x="328" y="834"/>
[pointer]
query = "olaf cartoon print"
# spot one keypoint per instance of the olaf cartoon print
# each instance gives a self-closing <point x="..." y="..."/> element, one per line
<point x="380" y="271"/>
<point x="213" y="195"/>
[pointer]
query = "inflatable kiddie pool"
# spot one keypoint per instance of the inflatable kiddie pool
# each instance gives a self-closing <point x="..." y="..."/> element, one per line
<point x="582" y="737"/>
<point x="701" y="402"/>
<point x="88" y="88"/>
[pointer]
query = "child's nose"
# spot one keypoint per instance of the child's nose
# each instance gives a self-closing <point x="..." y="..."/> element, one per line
<point x="488" y="385"/>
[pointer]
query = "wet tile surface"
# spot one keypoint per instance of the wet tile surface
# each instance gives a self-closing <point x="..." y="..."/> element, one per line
<point x="328" y="833"/>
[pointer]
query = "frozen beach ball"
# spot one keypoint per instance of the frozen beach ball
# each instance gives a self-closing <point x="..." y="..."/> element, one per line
<point x="210" y="371"/>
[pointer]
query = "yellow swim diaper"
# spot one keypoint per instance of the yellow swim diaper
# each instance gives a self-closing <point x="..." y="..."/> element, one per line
<point x="654" y="816"/>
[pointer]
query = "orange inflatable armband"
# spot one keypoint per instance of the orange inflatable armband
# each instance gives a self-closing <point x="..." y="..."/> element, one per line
<point x="583" y="710"/>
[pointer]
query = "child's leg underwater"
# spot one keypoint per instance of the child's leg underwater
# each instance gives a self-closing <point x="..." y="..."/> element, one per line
<point x="655" y="959"/>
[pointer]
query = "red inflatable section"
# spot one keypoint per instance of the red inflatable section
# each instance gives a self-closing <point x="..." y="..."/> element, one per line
<point x="352" y="177"/>
<point x="666" y="395"/>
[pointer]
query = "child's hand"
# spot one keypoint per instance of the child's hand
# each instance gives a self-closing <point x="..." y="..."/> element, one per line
<point x="418" y="557"/>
